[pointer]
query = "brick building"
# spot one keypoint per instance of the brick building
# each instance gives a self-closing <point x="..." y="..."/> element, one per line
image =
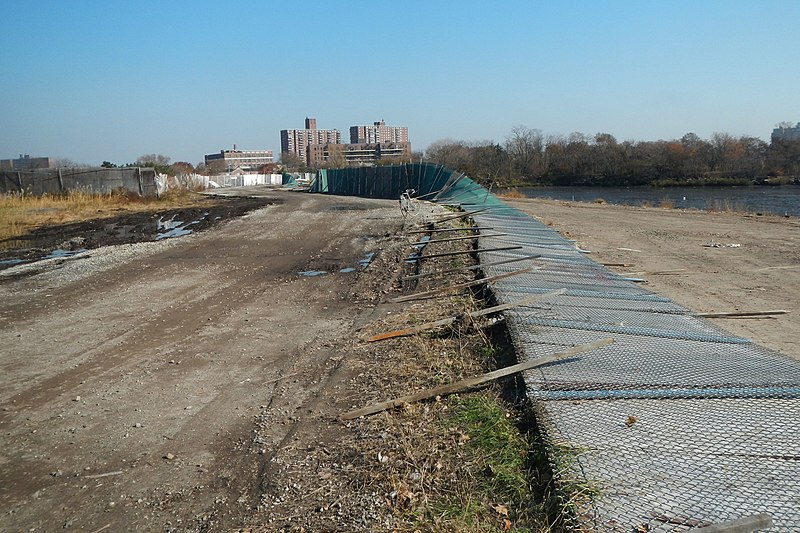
<point x="244" y="159"/>
<point x="379" y="132"/>
<point x="297" y="141"/>
<point x="358" y="154"/>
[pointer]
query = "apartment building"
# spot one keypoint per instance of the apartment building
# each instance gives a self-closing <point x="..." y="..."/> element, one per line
<point x="26" y="162"/>
<point x="784" y="133"/>
<point x="379" y="132"/>
<point x="243" y="159"/>
<point x="297" y="141"/>
<point x="358" y="154"/>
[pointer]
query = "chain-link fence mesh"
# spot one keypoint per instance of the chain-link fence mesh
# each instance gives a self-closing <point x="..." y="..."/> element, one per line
<point x="676" y="425"/>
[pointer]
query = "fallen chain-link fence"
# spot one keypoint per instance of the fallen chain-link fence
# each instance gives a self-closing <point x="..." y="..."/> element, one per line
<point x="677" y="425"/>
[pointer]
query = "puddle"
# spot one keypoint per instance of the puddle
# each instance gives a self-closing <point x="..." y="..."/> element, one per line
<point x="59" y="253"/>
<point x="313" y="273"/>
<point x="174" y="228"/>
<point x="423" y="242"/>
<point x="11" y="261"/>
<point x="364" y="263"/>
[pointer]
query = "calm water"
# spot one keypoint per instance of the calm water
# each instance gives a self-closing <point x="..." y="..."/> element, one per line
<point x="781" y="200"/>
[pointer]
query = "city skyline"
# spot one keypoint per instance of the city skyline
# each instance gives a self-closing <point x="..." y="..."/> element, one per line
<point x="99" y="81"/>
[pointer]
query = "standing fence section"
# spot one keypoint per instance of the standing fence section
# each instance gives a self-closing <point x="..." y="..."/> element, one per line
<point x="142" y="181"/>
<point x="675" y="426"/>
<point x="383" y="182"/>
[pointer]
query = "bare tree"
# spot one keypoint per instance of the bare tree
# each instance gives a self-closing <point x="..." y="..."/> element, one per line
<point x="526" y="151"/>
<point x="293" y="162"/>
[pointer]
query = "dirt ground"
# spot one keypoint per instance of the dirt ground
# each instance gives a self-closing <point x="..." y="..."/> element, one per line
<point x="195" y="384"/>
<point x="161" y="385"/>
<point x="753" y="265"/>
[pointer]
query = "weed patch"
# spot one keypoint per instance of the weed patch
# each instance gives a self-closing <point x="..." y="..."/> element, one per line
<point x="21" y="213"/>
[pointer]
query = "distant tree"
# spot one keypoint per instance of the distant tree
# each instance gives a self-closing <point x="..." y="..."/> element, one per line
<point x="154" y="159"/>
<point x="449" y="153"/>
<point x="63" y="162"/>
<point x="157" y="161"/>
<point x="181" y="168"/>
<point x="293" y="162"/>
<point x="215" y="167"/>
<point x="336" y="157"/>
<point x="108" y="164"/>
<point x="268" y="168"/>
<point x="526" y="152"/>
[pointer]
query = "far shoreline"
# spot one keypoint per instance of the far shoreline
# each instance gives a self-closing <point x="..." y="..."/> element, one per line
<point x="779" y="200"/>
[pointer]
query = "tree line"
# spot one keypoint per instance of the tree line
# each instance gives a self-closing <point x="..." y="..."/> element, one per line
<point x="528" y="157"/>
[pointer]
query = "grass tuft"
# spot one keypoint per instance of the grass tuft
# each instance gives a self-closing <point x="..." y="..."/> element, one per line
<point x="667" y="203"/>
<point x="512" y="194"/>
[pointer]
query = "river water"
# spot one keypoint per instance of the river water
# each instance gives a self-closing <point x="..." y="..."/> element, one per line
<point x="780" y="200"/>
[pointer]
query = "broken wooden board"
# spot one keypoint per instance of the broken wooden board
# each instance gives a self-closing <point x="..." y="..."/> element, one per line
<point x="740" y="314"/>
<point x="429" y="294"/>
<point x="462" y="252"/>
<point x="474" y="381"/>
<point x="474" y="314"/>
<point x="461" y="215"/>
<point x="473" y="267"/>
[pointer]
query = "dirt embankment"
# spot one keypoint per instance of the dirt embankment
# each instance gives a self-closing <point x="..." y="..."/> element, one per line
<point x="708" y="262"/>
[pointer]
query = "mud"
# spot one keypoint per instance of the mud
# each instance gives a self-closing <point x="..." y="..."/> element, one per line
<point x="126" y="228"/>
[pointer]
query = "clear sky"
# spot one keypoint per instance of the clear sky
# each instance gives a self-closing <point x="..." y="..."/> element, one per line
<point x="94" y="80"/>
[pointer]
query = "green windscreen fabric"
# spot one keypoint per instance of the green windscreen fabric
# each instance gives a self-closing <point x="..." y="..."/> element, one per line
<point x="430" y="182"/>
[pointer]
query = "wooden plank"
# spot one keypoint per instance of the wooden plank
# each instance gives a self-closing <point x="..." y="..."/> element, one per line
<point x="518" y="303"/>
<point x="734" y="314"/>
<point x="474" y="381"/>
<point x="458" y="286"/>
<point x="479" y="250"/>
<point x="473" y="314"/>
<point x="472" y="267"/>
<point x="461" y="215"/>
<point x="433" y="241"/>
<point x="466" y="228"/>
<point x="748" y="524"/>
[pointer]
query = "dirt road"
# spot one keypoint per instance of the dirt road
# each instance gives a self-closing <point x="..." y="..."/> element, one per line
<point x="753" y="264"/>
<point x="130" y="378"/>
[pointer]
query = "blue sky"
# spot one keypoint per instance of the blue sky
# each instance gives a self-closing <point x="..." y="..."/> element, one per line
<point x="111" y="80"/>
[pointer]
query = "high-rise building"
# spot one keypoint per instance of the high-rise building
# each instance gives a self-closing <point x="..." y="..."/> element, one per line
<point x="379" y="132"/>
<point x="358" y="154"/>
<point x="244" y="159"/>
<point x="297" y="141"/>
<point x="786" y="133"/>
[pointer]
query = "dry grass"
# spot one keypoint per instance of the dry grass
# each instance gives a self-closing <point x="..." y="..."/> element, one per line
<point x="512" y="194"/>
<point x="466" y="462"/>
<point x="20" y="213"/>
<point x="727" y="206"/>
<point x="667" y="203"/>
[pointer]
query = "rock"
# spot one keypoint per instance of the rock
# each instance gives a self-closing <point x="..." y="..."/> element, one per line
<point x="169" y="457"/>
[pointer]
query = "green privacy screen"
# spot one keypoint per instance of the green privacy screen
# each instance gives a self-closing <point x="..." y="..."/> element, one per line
<point x="430" y="182"/>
